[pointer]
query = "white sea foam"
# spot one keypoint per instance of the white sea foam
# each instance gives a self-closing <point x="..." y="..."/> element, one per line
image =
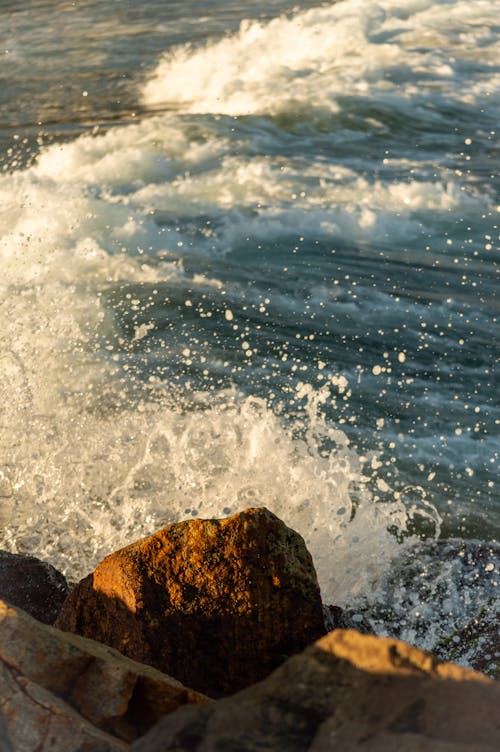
<point x="76" y="485"/>
<point x="90" y="458"/>
<point x="109" y="192"/>
<point x="83" y="469"/>
<point x="391" y="51"/>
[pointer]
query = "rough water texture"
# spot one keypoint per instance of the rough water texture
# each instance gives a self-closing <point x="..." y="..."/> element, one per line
<point x="248" y="255"/>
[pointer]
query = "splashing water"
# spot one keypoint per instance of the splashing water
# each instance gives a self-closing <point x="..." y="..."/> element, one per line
<point x="263" y="296"/>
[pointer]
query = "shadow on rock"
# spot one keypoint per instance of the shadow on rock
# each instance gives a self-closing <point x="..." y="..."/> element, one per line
<point x="348" y="692"/>
<point x="216" y="603"/>
<point x="61" y="692"/>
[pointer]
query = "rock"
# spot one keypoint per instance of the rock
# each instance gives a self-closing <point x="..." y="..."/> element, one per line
<point x="33" y="585"/>
<point x="433" y="588"/>
<point x="347" y="692"/>
<point x="38" y="721"/>
<point x="5" y="743"/>
<point x="340" y="618"/>
<point x="216" y="603"/>
<point x="477" y="644"/>
<point x="61" y="692"/>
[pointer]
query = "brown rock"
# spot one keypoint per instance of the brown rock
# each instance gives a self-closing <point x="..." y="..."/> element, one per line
<point x="61" y="692"/>
<point x="347" y="693"/>
<point x="39" y="721"/>
<point x="5" y="742"/>
<point x="33" y="585"/>
<point x="216" y="603"/>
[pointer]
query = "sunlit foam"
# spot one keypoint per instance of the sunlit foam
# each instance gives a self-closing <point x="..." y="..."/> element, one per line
<point x="315" y="58"/>
<point x="77" y="485"/>
<point x="89" y="459"/>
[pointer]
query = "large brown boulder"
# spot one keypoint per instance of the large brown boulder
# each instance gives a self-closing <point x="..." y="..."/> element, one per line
<point x="347" y="693"/>
<point x="216" y="603"/>
<point x="33" y="585"/>
<point x="61" y="692"/>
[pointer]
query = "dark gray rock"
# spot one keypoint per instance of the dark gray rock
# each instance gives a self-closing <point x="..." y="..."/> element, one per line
<point x="434" y="588"/>
<point x="33" y="585"/>
<point x="477" y="644"/>
<point x="340" y="618"/>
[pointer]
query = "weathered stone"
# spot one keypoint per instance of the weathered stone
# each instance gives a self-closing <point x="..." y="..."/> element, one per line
<point x="477" y="644"/>
<point x="33" y="585"/>
<point x="216" y="603"/>
<point x="5" y="742"/>
<point x="62" y="692"/>
<point x="340" y="618"/>
<point x="348" y="692"/>
<point x="39" y="721"/>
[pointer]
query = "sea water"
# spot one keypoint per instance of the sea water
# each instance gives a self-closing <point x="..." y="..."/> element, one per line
<point x="248" y="257"/>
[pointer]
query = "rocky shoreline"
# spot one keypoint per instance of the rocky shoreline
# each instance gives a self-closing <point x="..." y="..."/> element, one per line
<point x="211" y="635"/>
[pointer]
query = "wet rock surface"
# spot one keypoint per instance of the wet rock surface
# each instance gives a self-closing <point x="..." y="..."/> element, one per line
<point x="33" y="585"/>
<point x="221" y="604"/>
<point x="347" y="692"/>
<point x="61" y="692"/>
<point x="340" y="618"/>
<point x="477" y="644"/>
<point x="434" y="588"/>
<point x="216" y="603"/>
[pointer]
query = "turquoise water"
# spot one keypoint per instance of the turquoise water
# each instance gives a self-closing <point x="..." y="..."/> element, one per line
<point x="249" y="256"/>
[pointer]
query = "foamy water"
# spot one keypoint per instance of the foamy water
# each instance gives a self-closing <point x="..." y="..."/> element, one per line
<point x="276" y="289"/>
<point x="399" y="54"/>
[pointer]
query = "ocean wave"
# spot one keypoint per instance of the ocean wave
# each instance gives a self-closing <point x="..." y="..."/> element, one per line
<point x="394" y="52"/>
